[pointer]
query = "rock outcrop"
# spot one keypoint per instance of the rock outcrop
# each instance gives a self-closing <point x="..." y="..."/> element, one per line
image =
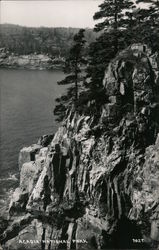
<point x="95" y="186"/>
<point x="32" y="61"/>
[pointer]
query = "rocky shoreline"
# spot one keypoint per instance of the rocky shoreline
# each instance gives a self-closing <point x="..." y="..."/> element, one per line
<point x="95" y="186"/>
<point x="32" y="61"/>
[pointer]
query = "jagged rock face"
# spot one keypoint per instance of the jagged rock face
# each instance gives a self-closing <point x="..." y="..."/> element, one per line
<point x="131" y="83"/>
<point x="96" y="187"/>
<point x="27" y="154"/>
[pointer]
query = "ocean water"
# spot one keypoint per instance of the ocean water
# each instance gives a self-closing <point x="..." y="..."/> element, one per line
<point x="27" y="101"/>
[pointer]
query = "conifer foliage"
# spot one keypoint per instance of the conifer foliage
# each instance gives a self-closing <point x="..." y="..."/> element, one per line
<point x="115" y="16"/>
<point x="121" y="23"/>
<point x="146" y="28"/>
<point x="72" y="69"/>
<point x="113" y="13"/>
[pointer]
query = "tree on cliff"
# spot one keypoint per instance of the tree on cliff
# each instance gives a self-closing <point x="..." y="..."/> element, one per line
<point x="72" y="70"/>
<point x="100" y="54"/>
<point x="146" y="28"/>
<point x="115" y="18"/>
<point x="116" y="21"/>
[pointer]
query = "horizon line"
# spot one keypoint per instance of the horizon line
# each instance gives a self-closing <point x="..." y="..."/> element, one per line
<point x="36" y="27"/>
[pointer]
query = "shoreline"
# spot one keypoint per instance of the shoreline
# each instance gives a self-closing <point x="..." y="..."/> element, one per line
<point x="30" y="61"/>
<point x="57" y="67"/>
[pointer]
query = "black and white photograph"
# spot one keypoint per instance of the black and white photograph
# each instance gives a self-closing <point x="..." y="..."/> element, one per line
<point x="79" y="124"/>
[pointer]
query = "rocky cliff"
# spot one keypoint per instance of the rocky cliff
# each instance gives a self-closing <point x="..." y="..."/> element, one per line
<point x="95" y="185"/>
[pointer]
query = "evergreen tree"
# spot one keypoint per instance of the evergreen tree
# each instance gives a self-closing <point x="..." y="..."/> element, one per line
<point x="114" y="17"/>
<point x="72" y="70"/>
<point x="100" y="53"/>
<point x="146" y="27"/>
<point x="63" y="103"/>
<point x="116" y="21"/>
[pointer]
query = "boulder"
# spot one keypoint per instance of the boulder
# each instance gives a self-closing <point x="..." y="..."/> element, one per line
<point x="27" y="154"/>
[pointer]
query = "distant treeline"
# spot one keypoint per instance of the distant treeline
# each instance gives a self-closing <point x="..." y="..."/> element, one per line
<point x="53" y="41"/>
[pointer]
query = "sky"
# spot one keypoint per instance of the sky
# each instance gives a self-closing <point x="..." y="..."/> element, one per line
<point x="59" y="13"/>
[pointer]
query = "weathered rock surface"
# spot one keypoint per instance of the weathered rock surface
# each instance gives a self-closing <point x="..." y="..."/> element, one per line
<point x="89" y="190"/>
<point x="27" y="154"/>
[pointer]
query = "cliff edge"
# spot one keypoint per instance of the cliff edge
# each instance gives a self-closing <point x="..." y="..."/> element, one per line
<point x="95" y="185"/>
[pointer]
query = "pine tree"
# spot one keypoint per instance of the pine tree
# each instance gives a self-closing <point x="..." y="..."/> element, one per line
<point x="116" y="21"/>
<point x="100" y="53"/>
<point x="114" y="18"/>
<point x="146" y="27"/>
<point x="63" y="103"/>
<point x="72" y="70"/>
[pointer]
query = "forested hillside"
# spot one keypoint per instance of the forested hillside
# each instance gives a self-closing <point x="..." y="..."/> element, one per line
<point x="54" y="41"/>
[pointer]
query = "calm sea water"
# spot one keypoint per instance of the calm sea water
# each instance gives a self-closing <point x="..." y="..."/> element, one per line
<point x="27" y="103"/>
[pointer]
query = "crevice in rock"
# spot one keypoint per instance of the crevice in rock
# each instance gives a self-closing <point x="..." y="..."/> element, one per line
<point x="43" y="239"/>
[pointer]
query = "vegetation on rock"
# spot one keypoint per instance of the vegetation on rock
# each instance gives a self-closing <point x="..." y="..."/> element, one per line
<point x="72" y="68"/>
<point x="94" y="185"/>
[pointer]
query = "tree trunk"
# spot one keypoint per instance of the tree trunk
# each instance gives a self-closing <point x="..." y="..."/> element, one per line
<point x="76" y="83"/>
<point x="116" y="27"/>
